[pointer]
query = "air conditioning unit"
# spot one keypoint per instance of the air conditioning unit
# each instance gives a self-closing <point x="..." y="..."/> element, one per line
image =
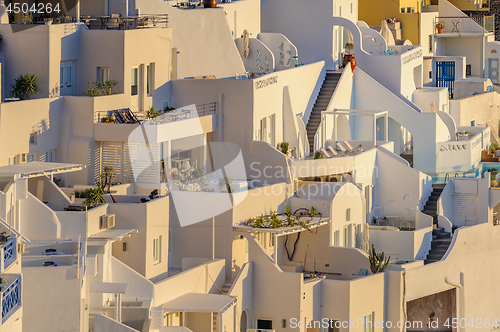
<point x="108" y="221"/>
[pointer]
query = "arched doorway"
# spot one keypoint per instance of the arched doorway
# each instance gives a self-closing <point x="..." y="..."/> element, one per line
<point x="239" y="255"/>
<point x="243" y="321"/>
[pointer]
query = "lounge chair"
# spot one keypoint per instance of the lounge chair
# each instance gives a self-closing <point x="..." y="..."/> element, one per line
<point x="130" y="115"/>
<point x="348" y="145"/>
<point x="332" y="151"/>
<point x="343" y="150"/>
<point x="325" y="153"/>
<point x="119" y="117"/>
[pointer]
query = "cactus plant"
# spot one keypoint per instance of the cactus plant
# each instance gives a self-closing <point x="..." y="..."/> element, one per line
<point x="378" y="262"/>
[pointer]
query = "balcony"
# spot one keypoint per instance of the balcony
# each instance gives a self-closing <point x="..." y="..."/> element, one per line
<point x="113" y="22"/>
<point x="476" y="24"/>
<point x="10" y="296"/>
<point x="185" y="113"/>
<point x="8" y="253"/>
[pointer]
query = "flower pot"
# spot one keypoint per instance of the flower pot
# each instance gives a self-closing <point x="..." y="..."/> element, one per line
<point x="349" y="58"/>
<point x="48" y="21"/>
<point x="440" y="30"/>
<point x="462" y="137"/>
<point x="209" y="3"/>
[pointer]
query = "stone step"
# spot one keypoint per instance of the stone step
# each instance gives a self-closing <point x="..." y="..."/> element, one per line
<point x="435" y="257"/>
<point x="433" y="198"/>
<point x="443" y="241"/>
<point x="438" y="186"/>
<point x="444" y="235"/>
<point x="438" y="230"/>
<point x="437" y="194"/>
<point x="429" y="261"/>
<point x="431" y="203"/>
<point x="438" y="252"/>
<point x="436" y="246"/>
<point x="429" y="212"/>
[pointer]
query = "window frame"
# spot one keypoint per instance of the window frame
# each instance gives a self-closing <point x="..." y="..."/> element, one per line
<point x="157" y="250"/>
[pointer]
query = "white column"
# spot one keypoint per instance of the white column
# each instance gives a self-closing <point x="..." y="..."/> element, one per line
<point x="374" y="130"/>
<point x="275" y="253"/>
<point x="117" y="309"/>
<point x="386" y="127"/>
<point x="213" y="238"/>
<point x="78" y="10"/>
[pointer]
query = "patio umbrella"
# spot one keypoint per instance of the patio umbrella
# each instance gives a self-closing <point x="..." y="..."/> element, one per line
<point x="246" y="40"/>
<point x="365" y="238"/>
<point x="387" y="34"/>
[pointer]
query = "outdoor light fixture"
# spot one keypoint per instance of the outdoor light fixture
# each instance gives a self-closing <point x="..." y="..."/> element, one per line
<point x="283" y="323"/>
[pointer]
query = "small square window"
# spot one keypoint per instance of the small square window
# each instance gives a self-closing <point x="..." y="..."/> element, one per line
<point x="33" y="138"/>
<point x="102" y="74"/>
<point x="402" y="10"/>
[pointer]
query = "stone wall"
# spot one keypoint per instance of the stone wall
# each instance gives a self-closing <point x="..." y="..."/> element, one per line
<point x="494" y="10"/>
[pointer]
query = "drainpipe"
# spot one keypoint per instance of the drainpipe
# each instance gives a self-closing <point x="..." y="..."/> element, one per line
<point x="481" y="55"/>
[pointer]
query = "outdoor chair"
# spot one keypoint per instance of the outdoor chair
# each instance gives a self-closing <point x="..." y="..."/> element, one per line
<point x="332" y="151"/>
<point x="118" y="116"/>
<point x="131" y="115"/>
<point x="343" y="150"/>
<point x="325" y="153"/>
<point x="113" y="23"/>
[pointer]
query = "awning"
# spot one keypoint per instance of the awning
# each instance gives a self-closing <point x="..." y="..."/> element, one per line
<point x="113" y="234"/>
<point x="108" y="287"/>
<point x="196" y="302"/>
<point x="37" y="168"/>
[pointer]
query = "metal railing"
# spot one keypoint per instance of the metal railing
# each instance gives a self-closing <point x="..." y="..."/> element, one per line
<point x="466" y="24"/>
<point x="11" y="298"/>
<point x="127" y="23"/>
<point x="185" y="113"/>
<point x="8" y="253"/>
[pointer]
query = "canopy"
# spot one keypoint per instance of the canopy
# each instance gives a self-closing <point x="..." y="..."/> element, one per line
<point x="197" y="302"/>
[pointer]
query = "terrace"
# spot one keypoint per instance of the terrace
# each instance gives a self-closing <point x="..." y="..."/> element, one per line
<point x="465" y="26"/>
<point x="106" y="22"/>
<point x="10" y="295"/>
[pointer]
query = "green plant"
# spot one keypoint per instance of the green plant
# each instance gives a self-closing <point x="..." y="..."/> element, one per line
<point x="77" y="193"/>
<point x="284" y="147"/>
<point x="24" y="85"/>
<point x="440" y="25"/>
<point x="378" y="262"/>
<point x="226" y="181"/>
<point x="168" y="109"/>
<point x="493" y="147"/>
<point x="349" y="47"/>
<point x="318" y="155"/>
<point x="93" y="196"/>
<point x="106" y="177"/>
<point x="101" y="88"/>
<point x="152" y="112"/>
<point x="107" y="119"/>
<point x="57" y="181"/>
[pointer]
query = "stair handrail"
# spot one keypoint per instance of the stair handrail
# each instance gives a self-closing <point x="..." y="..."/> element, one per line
<point x="446" y="177"/>
<point x="456" y="175"/>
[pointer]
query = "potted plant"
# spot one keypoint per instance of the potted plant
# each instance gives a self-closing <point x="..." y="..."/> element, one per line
<point x="48" y="19"/>
<point x="378" y="262"/>
<point x="440" y="27"/>
<point x="318" y="155"/>
<point x="107" y="119"/>
<point x="493" y="148"/>
<point x="462" y="136"/>
<point x="24" y="85"/>
<point x="284" y="147"/>
<point x="349" y="57"/>
<point x="152" y="112"/>
<point x="210" y="3"/>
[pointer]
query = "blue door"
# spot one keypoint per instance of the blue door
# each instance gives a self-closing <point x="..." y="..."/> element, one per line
<point x="445" y="75"/>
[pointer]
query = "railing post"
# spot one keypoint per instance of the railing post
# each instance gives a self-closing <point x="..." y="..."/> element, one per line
<point x="2" y="260"/>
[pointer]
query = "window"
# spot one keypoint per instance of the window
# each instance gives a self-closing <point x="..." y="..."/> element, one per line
<point x="271" y="240"/>
<point x="336" y="238"/>
<point x="265" y="324"/>
<point x="272" y="129"/>
<point x="334" y="325"/>
<point x="102" y="74"/>
<point x="348" y="214"/>
<point x="33" y="138"/>
<point x="150" y="79"/>
<point x="468" y="70"/>
<point x="368" y="323"/>
<point x="50" y="156"/>
<point x="263" y="130"/>
<point x="430" y="43"/>
<point x="157" y="250"/>
<point x="30" y="157"/>
<point x="346" y="237"/>
<point x="351" y="7"/>
<point x="134" y="81"/>
<point x="12" y="160"/>
<point x="402" y="10"/>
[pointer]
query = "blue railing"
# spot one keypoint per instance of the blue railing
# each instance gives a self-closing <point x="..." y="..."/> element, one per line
<point x="11" y="298"/>
<point x="8" y="253"/>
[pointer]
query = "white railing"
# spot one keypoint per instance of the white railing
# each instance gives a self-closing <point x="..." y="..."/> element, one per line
<point x="10" y="298"/>
<point x="8" y="252"/>
<point x="474" y="24"/>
